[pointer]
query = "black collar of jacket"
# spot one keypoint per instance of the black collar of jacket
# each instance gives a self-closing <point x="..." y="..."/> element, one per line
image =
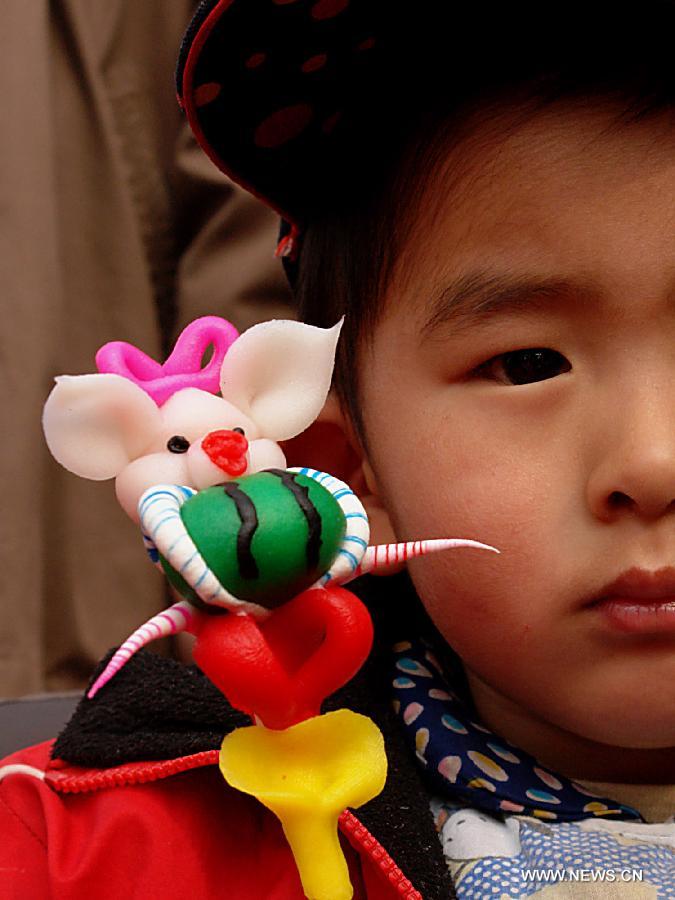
<point x="157" y="708"/>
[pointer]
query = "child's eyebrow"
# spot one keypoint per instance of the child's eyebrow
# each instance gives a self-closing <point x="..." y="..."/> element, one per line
<point x="471" y="299"/>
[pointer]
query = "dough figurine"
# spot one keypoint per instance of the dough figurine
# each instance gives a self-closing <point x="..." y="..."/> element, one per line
<point x="259" y="553"/>
<point x="143" y="423"/>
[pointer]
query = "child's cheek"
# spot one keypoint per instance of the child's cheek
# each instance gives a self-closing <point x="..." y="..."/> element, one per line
<point x="453" y="493"/>
<point x="484" y="603"/>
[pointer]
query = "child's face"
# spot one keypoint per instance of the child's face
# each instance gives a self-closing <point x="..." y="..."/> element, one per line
<point x="571" y="477"/>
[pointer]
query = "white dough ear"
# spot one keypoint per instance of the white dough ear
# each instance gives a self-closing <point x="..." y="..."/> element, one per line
<point x="95" y="425"/>
<point x="279" y="373"/>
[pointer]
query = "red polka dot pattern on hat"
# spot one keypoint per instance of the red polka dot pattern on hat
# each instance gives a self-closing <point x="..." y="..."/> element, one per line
<point x="367" y="44"/>
<point x="314" y="63"/>
<point x="255" y="60"/>
<point x="326" y="9"/>
<point x="283" y="125"/>
<point x="330" y="123"/>
<point x="205" y="93"/>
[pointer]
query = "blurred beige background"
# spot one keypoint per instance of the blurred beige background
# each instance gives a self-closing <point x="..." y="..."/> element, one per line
<point x="114" y="226"/>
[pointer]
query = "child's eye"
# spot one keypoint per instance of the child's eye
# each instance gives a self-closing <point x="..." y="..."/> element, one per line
<point x="524" y="366"/>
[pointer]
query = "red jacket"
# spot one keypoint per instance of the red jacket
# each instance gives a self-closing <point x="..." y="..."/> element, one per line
<point x="169" y="829"/>
<point x="102" y="827"/>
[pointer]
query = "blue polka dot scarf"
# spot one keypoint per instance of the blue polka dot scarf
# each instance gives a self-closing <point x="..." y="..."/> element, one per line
<point x="466" y="761"/>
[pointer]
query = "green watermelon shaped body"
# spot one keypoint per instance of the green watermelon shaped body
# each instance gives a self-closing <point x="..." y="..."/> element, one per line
<point x="266" y="537"/>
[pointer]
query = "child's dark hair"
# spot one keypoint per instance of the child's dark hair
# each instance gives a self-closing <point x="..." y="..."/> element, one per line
<point x="400" y="130"/>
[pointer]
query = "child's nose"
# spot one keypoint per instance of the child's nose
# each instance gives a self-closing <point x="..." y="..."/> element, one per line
<point x="650" y="497"/>
<point x="636" y="475"/>
<point x="227" y="450"/>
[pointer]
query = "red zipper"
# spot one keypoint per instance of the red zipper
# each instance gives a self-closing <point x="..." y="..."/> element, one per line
<point x="67" y="779"/>
<point x="360" y="835"/>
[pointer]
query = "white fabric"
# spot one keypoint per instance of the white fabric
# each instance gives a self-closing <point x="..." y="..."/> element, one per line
<point x="522" y="856"/>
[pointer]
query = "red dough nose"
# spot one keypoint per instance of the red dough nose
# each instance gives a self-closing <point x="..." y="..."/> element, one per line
<point x="227" y="450"/>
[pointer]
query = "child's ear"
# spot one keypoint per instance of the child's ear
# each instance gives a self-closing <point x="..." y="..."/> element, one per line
<point x="326" y="445"/>
<point x="330" y="444"/>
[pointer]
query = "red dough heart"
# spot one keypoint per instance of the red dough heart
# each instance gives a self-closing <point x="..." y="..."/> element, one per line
<point x="282" y="668"/>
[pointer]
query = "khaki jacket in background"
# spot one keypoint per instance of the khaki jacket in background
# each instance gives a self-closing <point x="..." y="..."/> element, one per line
<point x="113" y="226"/>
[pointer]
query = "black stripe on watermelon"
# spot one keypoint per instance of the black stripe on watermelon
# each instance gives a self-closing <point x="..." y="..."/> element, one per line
<point x="248" y="568"/>
<point x="301" y="495"/>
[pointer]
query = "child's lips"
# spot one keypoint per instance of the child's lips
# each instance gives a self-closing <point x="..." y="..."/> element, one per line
<point x="639" y="601"/>
<point x="638" y="616"/>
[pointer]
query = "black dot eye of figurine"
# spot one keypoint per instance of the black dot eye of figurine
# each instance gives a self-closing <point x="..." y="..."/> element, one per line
<point x="239" y="431"/>
<point x="178" y="444"/>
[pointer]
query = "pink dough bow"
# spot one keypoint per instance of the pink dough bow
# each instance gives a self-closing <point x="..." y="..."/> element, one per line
<point x="182" y="369"/>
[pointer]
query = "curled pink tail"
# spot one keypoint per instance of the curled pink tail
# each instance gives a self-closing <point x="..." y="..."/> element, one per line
<point x="179" y="617"/>
<point x="384" y="555"/>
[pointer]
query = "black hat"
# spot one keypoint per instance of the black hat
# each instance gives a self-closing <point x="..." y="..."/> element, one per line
<point x="264" y="83"/>
<point x="272" y="88"/>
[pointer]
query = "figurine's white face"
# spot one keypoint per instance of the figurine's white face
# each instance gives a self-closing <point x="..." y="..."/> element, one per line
<point x="178" y="451"/>
<point x="572" y="477"/>
<point x="273" y="380"/>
